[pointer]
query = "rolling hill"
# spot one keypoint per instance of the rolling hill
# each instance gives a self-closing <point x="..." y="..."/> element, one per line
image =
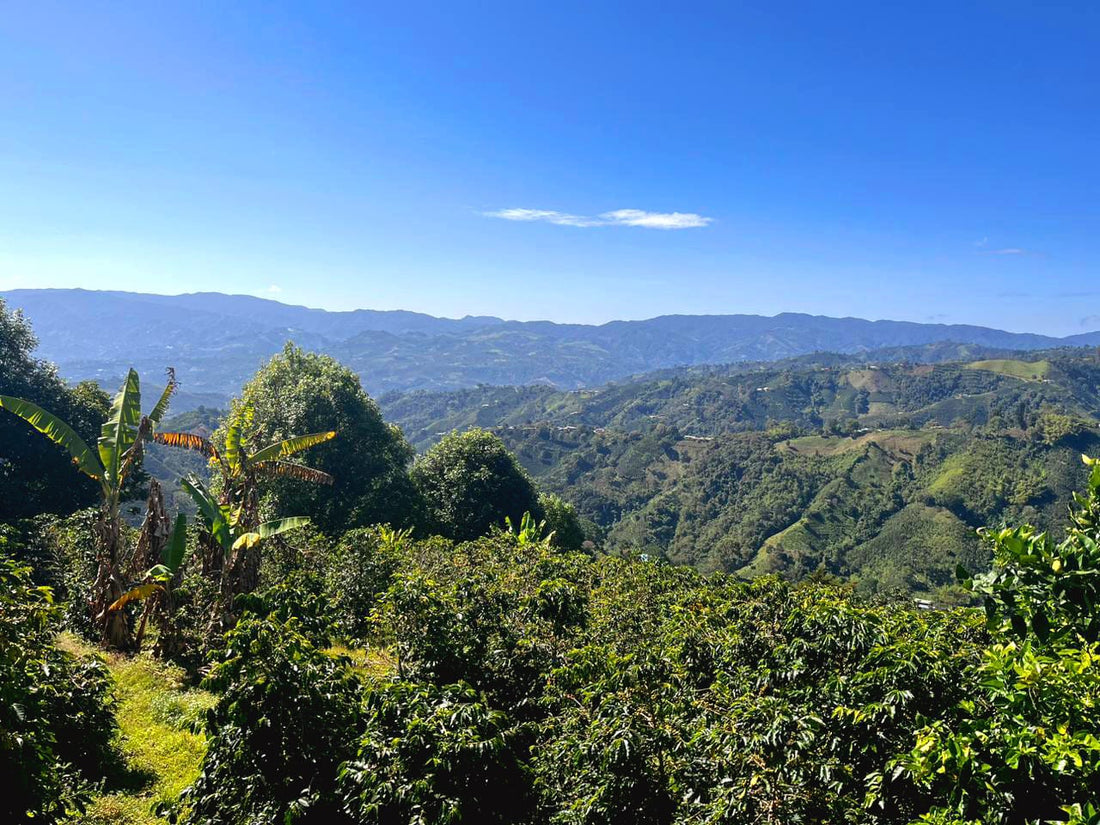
<point x="880" y="474"/>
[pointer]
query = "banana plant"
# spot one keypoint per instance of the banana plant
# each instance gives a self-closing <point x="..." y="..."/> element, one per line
<point x="529" y="532"/>
<point x="238" y="542"/>
<point x="156" y="583"/>
<point x="224" y="522"/>
<point x="241" y="469"/>
<point x="117" y="452"/>
<point x="120" y="436"/>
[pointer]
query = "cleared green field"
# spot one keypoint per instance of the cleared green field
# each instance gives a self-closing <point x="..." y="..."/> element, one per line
<point x="1024" y="370"/>
<point x="899" y="443"/>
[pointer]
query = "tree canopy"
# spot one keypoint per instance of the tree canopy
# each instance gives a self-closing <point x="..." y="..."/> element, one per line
<point x="470" y="483"/>
<point x="303" y="392"/>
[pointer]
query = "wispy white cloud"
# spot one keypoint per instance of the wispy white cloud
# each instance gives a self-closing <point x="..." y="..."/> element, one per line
<point x="1011" y="250"/>
<point x="655" y="220"/>
<point x="274" y="289"/>
<point x="617" y="217"/>
<point x="547" y="215"/>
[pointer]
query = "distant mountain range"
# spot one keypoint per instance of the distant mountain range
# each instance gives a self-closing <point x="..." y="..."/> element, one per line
<point x="217" y="341"/>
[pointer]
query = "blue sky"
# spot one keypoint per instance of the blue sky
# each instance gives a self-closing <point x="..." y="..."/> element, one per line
<point x="571" y="161"/>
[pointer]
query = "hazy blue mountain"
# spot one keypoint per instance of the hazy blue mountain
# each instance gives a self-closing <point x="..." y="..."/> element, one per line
<point x="216" y="341"/>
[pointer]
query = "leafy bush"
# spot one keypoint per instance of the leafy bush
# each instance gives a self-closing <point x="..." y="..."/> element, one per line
<point x="301" y="597"/>
<point x="562" y="521"/>
<point x="437" y="754"/>
<point x="647" y="693"/>
<point x="359" y="570"/>
<point x="494" y="614"/>
<point x="1025" y="746"/>
<point x="470" y="483"/>
<point x="56" y="721"/>
<point x="742" y="703"/>
<point x="61" y="552"/>
<point x="287" y="716"/>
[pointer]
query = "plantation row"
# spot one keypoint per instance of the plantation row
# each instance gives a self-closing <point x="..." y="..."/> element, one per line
<point x="502" y="680"/>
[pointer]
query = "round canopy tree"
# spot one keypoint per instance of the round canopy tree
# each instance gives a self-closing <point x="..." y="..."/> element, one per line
<point x="304" y="392"/>
<point x="469" y="483"/>
<point x="562" y="521"/>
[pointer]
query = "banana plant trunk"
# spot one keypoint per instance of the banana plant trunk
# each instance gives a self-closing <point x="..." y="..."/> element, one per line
<point x="169" y="644"/>
<point x="155" y="530"/>
<point x="249" y="576"/>
<point x="240" y="572"/>
<point x="239" y="575"/>
<point x="109" y="586"/>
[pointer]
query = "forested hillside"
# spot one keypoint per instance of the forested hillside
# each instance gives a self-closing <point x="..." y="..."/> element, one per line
<point x="820" y="390"/>
<point x="880" y="472"/>
<point x="877" y="472"/>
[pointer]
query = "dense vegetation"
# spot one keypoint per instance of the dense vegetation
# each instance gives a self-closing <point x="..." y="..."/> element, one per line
<point x="300" y="392"/>
<point x="501" y="653"/>
<point x="880" y="473"/>
<point x="55" y="712"/>
<point x="34" y="476"/>
<point x="502" y="680"/>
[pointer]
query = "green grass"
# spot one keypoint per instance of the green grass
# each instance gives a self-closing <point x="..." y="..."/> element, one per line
<point x="1024" y="370"/>
<point x="815" y="444"/>
<point x="373" y="663"/>
<point x="162" y="754"/>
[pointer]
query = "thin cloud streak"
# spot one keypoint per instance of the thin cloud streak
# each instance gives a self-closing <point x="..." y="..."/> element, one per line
<point x="617" y="217"/>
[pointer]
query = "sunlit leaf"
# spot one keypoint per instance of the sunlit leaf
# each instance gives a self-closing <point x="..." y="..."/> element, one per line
<point x="161" y="406"/>
<point x="187" y="441"/>
<point x="211" y="512"/>
<point x="58" y="432"/>
<point x="289" y="446"/>
<point x="177" y="544"/>
<point x="142" y="591"/>
<point x="120" y="430"/>
<point x="288" y="469"/>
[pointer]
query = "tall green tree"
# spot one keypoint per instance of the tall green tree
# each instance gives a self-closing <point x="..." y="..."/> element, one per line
<point x="35" y="476"/>
<point x="470" y="483"/>
<point x="562" y="522"/>
<point x="303" y="392"/>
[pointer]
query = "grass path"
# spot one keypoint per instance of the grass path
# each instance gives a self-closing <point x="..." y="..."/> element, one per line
<point x="155" y="713"/>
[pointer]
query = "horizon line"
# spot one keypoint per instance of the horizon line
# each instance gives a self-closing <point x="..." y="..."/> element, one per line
<point x="496" y="318"/>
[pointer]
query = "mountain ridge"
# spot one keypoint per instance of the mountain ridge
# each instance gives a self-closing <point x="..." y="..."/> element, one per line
<point x="217" y="340"/>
